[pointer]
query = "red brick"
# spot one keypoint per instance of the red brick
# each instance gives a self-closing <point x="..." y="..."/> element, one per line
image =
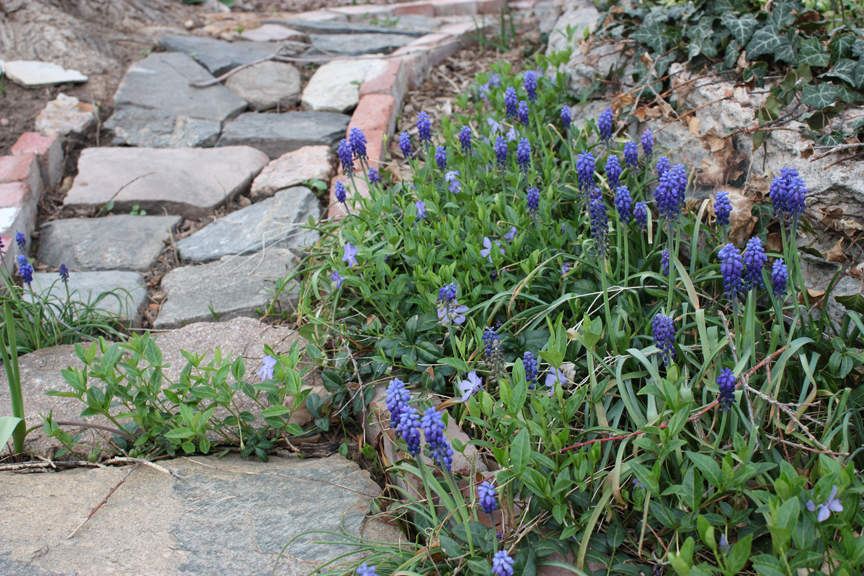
<point x="22" y="168"/>
<point x="441" y="46"/>
<point x="49" y="151"/>
<point x="414" y="9"/>
<point x="455" y="7"/>
<point x="490" y="6"/>
<point x="375" y="112"/>
<point x="18" y="208"/>
<point x="386" y="77"/>
<point x="337" y="209"/>
<point x="465" y="32"/>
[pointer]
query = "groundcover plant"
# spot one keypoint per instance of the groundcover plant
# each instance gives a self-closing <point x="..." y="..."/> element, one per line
<point x="636" y="360"/>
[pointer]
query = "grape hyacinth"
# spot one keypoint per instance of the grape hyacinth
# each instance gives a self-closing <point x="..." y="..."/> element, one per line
<point x="511" y="103"/>
<point x="640" y="214"/>
<point x="523" y="112"/>
<point x="532" y="199"/>
<point x="408" y="429"/>
<point x="530" y="363"/>
<point x="346" y="157"/>
<point x="669" y="194"/>
<point x="447" y="293"/>
<point x="722" y="208"/>
<point x="788" y="194"/>
<point x="566" y="117"/>
<point x="613" y="171"/>
<point x="530" y="84"/>
<point x="64" y="273"/>
<point x="599" y="224"/>
<point x="585" y="170"/>
<point x="604" y="124"/>
<point x="726" y="384"/>
<point x="731" y="267"/>
<point x="405" y="145"/>
<point x="21" y="240"/>
<point x="502" y="564"/>
<point x="373" y="175"/>
<point x="340" y="192"/>
<point x="623" y="204"/>
<point x="441" y="158"/>
<point x="358" y="143"/>
<point x="487" y="494"/>
<point x="365" y="570"/>
<point x="433" y="432"/>
<point x="663" y="166"/>
<point x="465" y="139"/>
<point x="631" y="154"/>
<point x="490" y="339"/>
<point x="424" y="127"/>
<point x="647" y="142"/>
<point x="754" y="260"/>
<point x="663" y="330"/>
<point x="25" y="270"/>
<point x="397" y="399"/>
<point x="523" y="155"/>
<point x="664" y="262"/>
<point x="779" y="278"/>
<point x="501" y="151"/>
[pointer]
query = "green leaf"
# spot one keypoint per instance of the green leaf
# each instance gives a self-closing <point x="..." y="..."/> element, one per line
<point x="652" y="35"/>
<point x="450" y="547"/>
<point x="764" y="42"/>
<point x="204" y="445"/>
<point x="841" y="46"/>
<point x="739" y="554"/>
<point x="820" y="96"/>
<point x="520" y="452"/>
<point x="858" y="49"/>
<point x="781" y="15"/>
<point x="812" y="53"/>
<point x="733" y="50"/>
<point x="180" y="433"/>
<point x="852" y="302"/>
<point x="7" y="426"/>
<point x="709" y="468"/>
<point x="275" y="411"/>
<point x="849" y="96"/>
<point x="456" y="363"/>
<point x="844" y="69"/>
<point x="858" y="75"/>
<point x="741" y="28"/>
<point x="787" y="49"/>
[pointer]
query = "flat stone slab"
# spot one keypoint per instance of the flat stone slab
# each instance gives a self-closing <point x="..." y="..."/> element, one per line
<point x="191" y="182"/>
<point x="111" y="243"/>
<point x="319" y="27"/>
<point x="292" y="169"/>
<point x="218" y="56"/>
<point x="120" y="294"/>
<point x="272" y="223"/>
<point x="273" y="33"/>
<point x="156" y="107"/>
<point x="228" y="288"/>
<point x="65" y="115"/>
<point x="277" y="134"/>
<point x="218" y="516"/>
<point x="32" y="73"/>
<point x="335" y="87"/>
<point x="357" y="44"/>
<point x="40" y="373"/>
<point x="267" y="85"/>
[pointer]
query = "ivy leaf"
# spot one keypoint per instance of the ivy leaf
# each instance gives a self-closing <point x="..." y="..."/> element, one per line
<point x="781" y="15"/>
<point x="704" y="28"/>
<point x="820" y="96"/>
<point x="703" y="44"/>
<point x="787" y="50"/>
<point x="652" y="36"/>
<point x="848" y="95"/>
<point x="858" y="48"/>
<point x="844" y="69"/>
<point x="764" y="41"/>
<point x="732" y="53"/>
<point x="813" y="54"/>
<point x="741" y="28"/>
<point x="841" y="46"/>
<point x="858" y="75"/>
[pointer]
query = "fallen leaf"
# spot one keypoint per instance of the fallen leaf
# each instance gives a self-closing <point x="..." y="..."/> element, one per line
<point x="694" y="125"/>
<point x="741" y="219"/>
<point x="646" y="59"/>
<point x="774" y="242"/>
<point x="742" y="60"/>
<point x="817" y="298"/>
<point x="714" y="143"/>
<point x="835" y="253"/>
<point x="848" y="225"/>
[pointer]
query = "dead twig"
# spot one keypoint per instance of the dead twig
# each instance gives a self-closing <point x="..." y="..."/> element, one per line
<point x="104" y="500"/>
<point x="129" y="459"/>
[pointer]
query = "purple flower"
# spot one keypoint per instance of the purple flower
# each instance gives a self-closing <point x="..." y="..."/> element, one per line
<point x="604" y="124"/>
<point x="788" y="194"/>
<point x="339" y="191"/>
<point x="408" y="428"/>
<point x="452" y="313"/>
<point x="441" y="158"/>
<point x="599" y="224"/>
<point x="565" y="267"/>
<point x="555" y="376"/>
<point x="524" y="113"/>
<point x="726" y="384"/>
<point x="523" y="155"/>
<point x="731" y="267"/>
<point x="373" y="175"/>
<point x="358" y="142"/>
<point x="494" y="80"/>
<point x="511" y="102"/>
<point x="452" y="179"/>
<point x="669" y="195"/>
<point x="397" y="399"/>
<point x="350" y="255"/>
<point x="500" y="151"/>
<point x="647" y="142"/>
<point x="623" y="204"/>
<point x="663" y="166"/>
<point x="465" y="139"/>
<point x="530" y="84"/>
<point x="566" y="117"/>
<point x="64" y="273"/>
<point x="631" y="154"/>
<point x="754" y="260"/>
<point x="585" y="170"/>
<point x="779" y="277"/>
<point x="335" y="277"/>
<point x="487" y="497"/>
<point x="533" y="200"/>
<point x="490" y="339"/>
<point x="365" y="570"/>
<point x="511" y="135"/>
<point x="502" y="564"/>
<point x="832" y="504"/>
<point x="494" y="126"/>
<point x="471" y="385"/>
<point x="723" y="544"/>
<point x="21" y="240"/>
<point x="346" y="157"/>
<point x="663" y="331"/>
<point x="530" y="363"/>
<point x="433" y="431"/>
<point x="664" y="262"/>
<point x="421" y="209"/>
<point x="424" y="127"/>
<point x="266" y="370"/>
<point x="405" y="145"/>
<point x="447" y="293"/>
<point x="511" y="234"/>
<point x="722" y="207"/>
<point x="486" y="252"/>
<point x="613" y="171"/>
<point x="640" y="214"/>
<point x="25" y="270"/>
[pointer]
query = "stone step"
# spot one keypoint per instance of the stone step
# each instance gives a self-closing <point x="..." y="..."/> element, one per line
<point x="358" y="44"/>
<point x="278" y="134"/>
<point x="292" y="169"/>
<point x="335" y="86"/>
<point x="218" y="56"/>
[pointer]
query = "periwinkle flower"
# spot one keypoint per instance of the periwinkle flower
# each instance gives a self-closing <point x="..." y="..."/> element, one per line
<point x="613" y="172"/>
<point x="530" y="363"/>
<point x="25" y="270"/>
<point x="21" y="240"/>
<point x="731" y="268"/>
<point x="722" y="207"/>
<point x="585" y="167"/>
<point x="433" y="431"/>
<point x="340" y="192"/>
<point x="511" y="103"/>
<point x="64" y="273"/>
<point x="452" y="179"/>
<point x="486" y="252"/>
<point x="501" y="151"/>
<point x="358" y="143"/>
<point x="832" y="504"/>
<point x="494" y="80"/>
<point x="373" y="175"/>
<point x="631" y="154"/>
<point x="421" y="209"/>
<point x="511" y="234"/>
<point x="726" y="385"/>
<point x="346" y="157"/>
<point x="405" y="145"/>
<point x="512" y="136"/>
<point x="647" y="142"/>
<point x="267" y="367"/>
<point x="487" y="496"/>
<point x="754" y="260"/>
<point x="599" y="224"/>
<point x="532" y="199"/>
<point x="365" y="570"/>
<point x="663" y="331"/>
<point x="524" y="113"/>
<point x="640" y="214"/>
<point x="530" y="84"/>
<point x="523" y="155"/>
<point x="471" y="385"/>
<point x="788" y="193"/>
<point x="779" y="278"/>
<point x="555" y="376"/>
<point x="604" y="124"/>
<point x="335" y="277"/>
<point x="494" y="126"/>
<point x="723" y="544"/>
<point x="623" y="204"/>
<point x="663" y="165"/>
<point x="424" y="127"/>
<point x="408" y="428"/>
<point x="664" y="262"/>
<point x="565" y="267"/>
<point x="566" y="117"/>
<point x="452" y="313"/>
<point x="465" y="139"/>
<point x="350" y="255"/>
<point x="636" y="483"/>
<point x="502" y="564"/>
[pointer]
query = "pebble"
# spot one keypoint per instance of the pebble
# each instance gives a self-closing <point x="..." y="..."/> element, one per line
<point x="66" y="115"/>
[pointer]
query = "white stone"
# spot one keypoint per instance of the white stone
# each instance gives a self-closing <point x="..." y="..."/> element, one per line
<point x="35" y="73"/>
<point x="335" y="87"/>
<point x="292" y="169"/>
<point x="273" y="33"/>
<point x="65" y="115"/>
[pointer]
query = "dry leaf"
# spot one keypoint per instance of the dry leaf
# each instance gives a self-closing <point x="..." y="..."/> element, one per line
<point x="646" y="59"/>
<point x="774" y="242"/>
<point x="741" y="219"/>
<point x="835" y="254"/>
<point x="714" y="143"/>
<point x="694" y="125"/>
<point x="816" y="298"/>
<point x="742" y="60"/>
<point x="849" y="226"/>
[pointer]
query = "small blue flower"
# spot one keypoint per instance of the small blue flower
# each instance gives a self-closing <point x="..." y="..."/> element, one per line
<point x="640" y="214"/>
<point x="731" y="268"/>
<point x="350" y="255"/>
<point x="623" y="204"/>
<point x="754" y="261"/>
<point x="447" y="293"/>
<point x="565" y="267"/>
<point x="501" y="151"/>
<point x="494" y="80"/>
<point x="471" y="385"/>
<point x="585" y="170"/>
<point x="722" y="207"/>
<point x="524" y="113"/>
<point x="511" y="135"/>
<point x="511" y="102"/>
<point x="373" y="175"/>
<point x="530" y="363"/>
<point x="530" y="85"/>
<point x="669" y="194"/>
<point x="599" y="224"/>
<point x="723" y="544"/>
<point x="647" y="142"/>
<point x="487" y="495"/>
<point x="502" y="564"/>
<point x="397" y="399"/>
<point x="21" y="240"/>
<point x="405" y="145"/>
<point x="523" y="155"/>
<point x="832" y="504"/>
<point x="613" y="172"/>
<point x="533" y="199"/>
<point x="779" y="278"/>
<point x="340" y="192"/>
<point x="441" y="158"/>
<point x="555" y="376"/>
<point x="335" y="277"/>
<point x="465" y="139"/>
<point x="511" y="234"/>
<point x="566" y="117"/>
<point x="494" y="126"/>
<point x="424" y="127"/>
<point x="726" y="384"/>
<point x="664" y="262"/>
<point x="663" y="166"/>
<point x="452" y="178"/>
<point x="788" y="194"/>
<point x="486" y="252"/>
<point x="365" y="570"/>
<point x="604" y="124"/>
<point x="346" y="157"/>
<point x="631" y="154"/>
<point x="25" y="270"/>
<point x="358" y="143"/>
<point x="452" y="313"/>
<point x="663" y="331"/>
<point x="267" y="367"/>
<point x="433" y="431"/>
<point x="421" y="209"/>
<point x="64" y="273"/>
<point x="408" y="428"/>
